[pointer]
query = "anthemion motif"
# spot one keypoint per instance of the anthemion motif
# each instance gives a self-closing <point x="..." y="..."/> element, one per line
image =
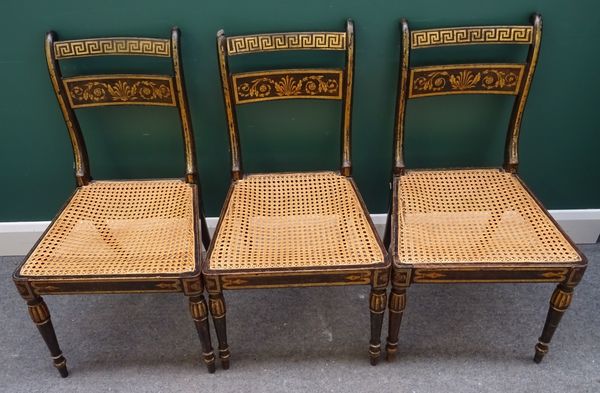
<point x="497" y="79"/>
<point x="107" y="91"/>
<point x="265" y="86"/>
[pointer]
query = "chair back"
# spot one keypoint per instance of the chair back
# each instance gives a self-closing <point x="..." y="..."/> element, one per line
<point x="475" y="78"/>
<point x="284" y="84"/>
<point x="85" y="91"/>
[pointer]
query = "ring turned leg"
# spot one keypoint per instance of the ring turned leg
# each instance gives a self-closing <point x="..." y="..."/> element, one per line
<point x="377" y="301"/>
<point x="559" y="302"/>
<point x="41" y="317"/>
<point x="199" y="312"/>
<point x="217" y="309"/>
<point x="396" y="308"/>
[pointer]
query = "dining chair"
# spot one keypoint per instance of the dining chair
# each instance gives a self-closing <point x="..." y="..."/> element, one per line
<point x="298" y="229"/>
<point x="475" y="225"/>
<point x="119" y="236"/>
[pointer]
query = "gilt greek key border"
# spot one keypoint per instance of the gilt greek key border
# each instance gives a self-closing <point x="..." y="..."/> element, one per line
<point x="112" y="46"/>
<point x="238" y="45"/>
<point x="471" y="35"/>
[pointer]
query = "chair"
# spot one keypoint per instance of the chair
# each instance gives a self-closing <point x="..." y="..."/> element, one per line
<point x="292" y="229"/>
<point x="477" y="225"/>
<point x="119" y="236"/>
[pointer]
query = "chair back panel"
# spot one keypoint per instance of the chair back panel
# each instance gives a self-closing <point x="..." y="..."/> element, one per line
<point x="282" y="84"/>
<point x="83" y="91"/>
<point x="475" y="78"/>
<point x="465" y="79"/>
<point x="99" y="90"/>
<point x="471" y="35"/>
<point x="325" y="84"/>
<point x="254" y="43"/>
<point x="112" y="46"/>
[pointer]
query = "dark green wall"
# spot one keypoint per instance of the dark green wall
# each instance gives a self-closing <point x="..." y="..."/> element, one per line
<point x="559" y="147"/>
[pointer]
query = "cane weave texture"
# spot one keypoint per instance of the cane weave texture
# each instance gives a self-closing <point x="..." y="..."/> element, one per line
<point x="120" y="228"/>
<point x="291" y="221"/>
<point x="481" y="215"/>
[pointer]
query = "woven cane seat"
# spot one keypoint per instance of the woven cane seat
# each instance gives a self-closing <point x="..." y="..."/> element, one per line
<point x="293" y="221"/>
<point x="474" y="216"/>
<point x="120" y="228"/>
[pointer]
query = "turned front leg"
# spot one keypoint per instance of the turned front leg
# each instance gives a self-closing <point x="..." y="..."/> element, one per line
<point x="40" y="315"/>
<point x="559" y="302"/>
<point x="217" y="310"/>
<point x="199" y="312"/>
<point x="377" y="301"/>
<point x="396" y="309"/>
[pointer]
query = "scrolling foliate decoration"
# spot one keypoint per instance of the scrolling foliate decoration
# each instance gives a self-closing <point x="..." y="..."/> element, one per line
<point x="480" y="79"/>
<point x="112" y="46"/>
<point x="285" y="41"/>
<point x="472" y="35"/>
<point x="94" y="91"/>
<point x="263" y="86"/>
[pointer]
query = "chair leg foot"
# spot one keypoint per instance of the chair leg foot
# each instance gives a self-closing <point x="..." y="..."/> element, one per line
<point x="218" y="310"/>
<point x="559" y="302"/>
<point x="211" y="366"/>
<point x="377" y="301"/>
<point x="541" y="349"/>
<point x="396" y="307"/>
<point x="390" y="351"/>
<point x="61" y="366"/>
<point x="40" y="315"/>
<point x="224" y="356"/>
<point x="199" y="312"/>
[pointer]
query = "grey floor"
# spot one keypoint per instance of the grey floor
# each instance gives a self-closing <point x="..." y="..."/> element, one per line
<point x="461" y="338"/>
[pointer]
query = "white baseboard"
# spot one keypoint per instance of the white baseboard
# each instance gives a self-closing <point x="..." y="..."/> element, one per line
<point x="582" y="225"/>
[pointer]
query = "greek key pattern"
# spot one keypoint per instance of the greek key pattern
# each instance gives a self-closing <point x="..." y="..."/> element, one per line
<point x="285" y="41"/>
<point x="112" y="46"/>
<point x="125" y="90"/>
<point x="276" y="85"/>
<point x="472" y="35"/>
<point x="466" y="79"/>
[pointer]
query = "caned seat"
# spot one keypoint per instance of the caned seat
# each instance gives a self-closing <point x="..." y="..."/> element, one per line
<point x="120" y="228"/>
<point x="476" y="225"/>
<point x="294" y="220"/>
<point x="473" y="216"/>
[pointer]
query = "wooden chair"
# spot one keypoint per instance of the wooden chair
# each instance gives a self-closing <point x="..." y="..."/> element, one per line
<point x="119" y="236"/>
<point x="473" y="225"/>
<point x="292" y="229"/>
